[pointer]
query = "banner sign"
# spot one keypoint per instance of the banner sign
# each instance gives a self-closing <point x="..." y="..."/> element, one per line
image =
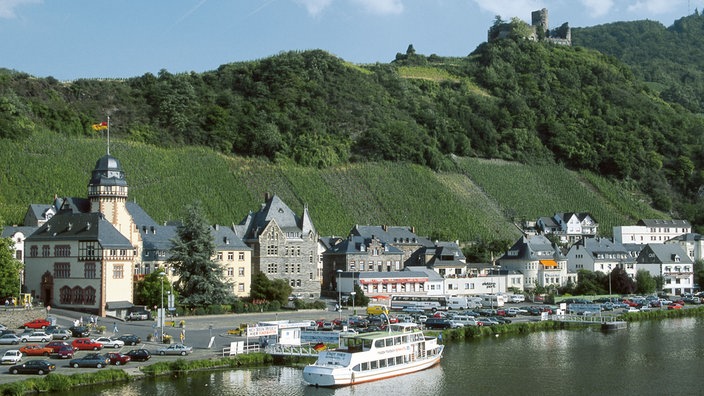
<point x="258" y="331"/>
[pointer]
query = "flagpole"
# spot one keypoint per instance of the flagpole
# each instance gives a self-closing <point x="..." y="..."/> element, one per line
<point x="108" y="135"/>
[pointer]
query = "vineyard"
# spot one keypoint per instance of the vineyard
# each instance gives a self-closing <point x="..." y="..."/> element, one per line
<point x="478" y="202"/>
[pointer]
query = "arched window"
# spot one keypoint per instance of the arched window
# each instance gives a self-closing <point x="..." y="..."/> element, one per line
<point x="89" y="296"/>
<point x="65" y="295"/>
<point x="77" y="295"/>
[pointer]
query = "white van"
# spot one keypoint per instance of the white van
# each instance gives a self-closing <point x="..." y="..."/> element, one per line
<point x="461" y="302"/>
<point x="516" y="298"/>
<point x="465" y="320"/>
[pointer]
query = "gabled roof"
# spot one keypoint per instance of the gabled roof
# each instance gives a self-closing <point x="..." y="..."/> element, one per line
<point x="663" y="254"/>
<point x="445" y="254"/>
<point x="39" y="211"/>
<point x="226" y="239"/>
<point x="274" y="209"/>
<point x="432" y="275"/>
<point x="532" y="247"/>
<point x="9" y="231"/>
<point x="688" y="237"/>
<point x="72" y="204"/>
<point x="68" y="226"/>
<point x="156" y="237"/>
<point x="598" y="245"/>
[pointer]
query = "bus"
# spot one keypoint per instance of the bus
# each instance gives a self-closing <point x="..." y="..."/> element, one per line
<point x="425" y="303"/>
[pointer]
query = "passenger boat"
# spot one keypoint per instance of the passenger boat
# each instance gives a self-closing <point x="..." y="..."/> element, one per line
<point x="403" y="349"/>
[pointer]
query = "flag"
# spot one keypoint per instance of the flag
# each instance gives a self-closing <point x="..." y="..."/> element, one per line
<point x="319" y="347"/>
<point x="99" y="127"/>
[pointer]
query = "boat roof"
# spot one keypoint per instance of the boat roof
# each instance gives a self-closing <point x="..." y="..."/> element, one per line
<point x="402" y="328"/>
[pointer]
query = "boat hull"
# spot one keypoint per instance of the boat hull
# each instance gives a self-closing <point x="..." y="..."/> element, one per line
<point x="331" y="376"/>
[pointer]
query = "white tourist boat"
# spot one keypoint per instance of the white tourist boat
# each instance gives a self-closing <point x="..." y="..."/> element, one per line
<point x="373" y="356"/>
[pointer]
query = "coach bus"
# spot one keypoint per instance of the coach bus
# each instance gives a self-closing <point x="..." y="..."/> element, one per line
<point x="425" y="303"/>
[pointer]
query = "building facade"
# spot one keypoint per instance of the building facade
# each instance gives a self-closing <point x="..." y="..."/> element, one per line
<point x="672" y="263"/>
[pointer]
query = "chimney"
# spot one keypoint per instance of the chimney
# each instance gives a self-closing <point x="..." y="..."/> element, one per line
<point x="266" y="196"/>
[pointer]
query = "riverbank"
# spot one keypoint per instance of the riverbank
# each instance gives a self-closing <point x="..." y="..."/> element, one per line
<point x="182" y="366"/>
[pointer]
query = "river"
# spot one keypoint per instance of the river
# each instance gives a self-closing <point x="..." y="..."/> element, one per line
<point x="650" y="358"/>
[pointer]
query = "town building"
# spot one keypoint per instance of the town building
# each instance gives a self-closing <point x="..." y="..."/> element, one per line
<point x="651" y="231"/>
<point x="402" y="238"/>
<point x="284" y="246"/>
<point x="692" y="243"/>
<point x="600" y="254"/>
<point x="569" y="227"/>
<point x="672" y="263"/>
<point x="539" y="261"/>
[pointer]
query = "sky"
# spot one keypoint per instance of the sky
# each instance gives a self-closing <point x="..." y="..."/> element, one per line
<point x="72" y="39"/>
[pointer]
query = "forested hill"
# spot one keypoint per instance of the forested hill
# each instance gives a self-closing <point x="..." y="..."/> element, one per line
<point x="669" y="59"/>
<point x="512" y="99"/>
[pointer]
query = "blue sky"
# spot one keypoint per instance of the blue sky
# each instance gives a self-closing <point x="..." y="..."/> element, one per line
<point x="70" y="39"/>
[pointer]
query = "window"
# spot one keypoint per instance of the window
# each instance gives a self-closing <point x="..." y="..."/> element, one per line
<point x="62" y="270"/>
<point x="33" y="251"/>
<point x="45" y="251"/>
<point x="220" y="256"/>
<point x="118" y="271"/>
<point x="65" y="295"/>
<point x="241" y="271"/>
<point x="271" y="268"/>
<point x="77" y="295"/>
<point x="298" y="283"/>
<point x="230" y="272"/>
<point x="89" y="296"/>
<point x="272" y="250"/>
<point x="240" y="287"/>
<point x="230" y="256"/>
<point x="89" y="271"/>
<point x="241" y="256"/>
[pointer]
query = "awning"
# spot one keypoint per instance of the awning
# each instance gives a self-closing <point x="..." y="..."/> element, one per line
<point x="112" y="305"/>
<point x="548" y="263"/>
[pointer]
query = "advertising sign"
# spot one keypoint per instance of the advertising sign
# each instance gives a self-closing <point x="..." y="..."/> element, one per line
<point x="258" y="331"/>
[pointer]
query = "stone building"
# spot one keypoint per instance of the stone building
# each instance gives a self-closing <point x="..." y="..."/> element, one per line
<point x="284" y="246"/>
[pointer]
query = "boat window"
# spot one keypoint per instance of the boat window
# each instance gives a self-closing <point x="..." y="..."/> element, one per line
<point x="365" y="366"/>
<point x="379" y="343"/>
<point x="405" y="339"/>
<point x="391" y="361"/>
<point x="389" y="341"/>
<point x="382" y="363"/>
<point x="397" y="341"/>
<point x="355" y="368"/>
<point x="399" y="359"/>
<point x="374" y="364"/>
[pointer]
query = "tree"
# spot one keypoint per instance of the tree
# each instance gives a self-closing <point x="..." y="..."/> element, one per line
<point x="9" y="269"/>
<point x="360" y="300"/>
<point x="199" y="277"/>
<point x="645" y="283"/>
<point x="620" y="282"/>
<point x="270" y="290"/>
<point x="149" y="290"/>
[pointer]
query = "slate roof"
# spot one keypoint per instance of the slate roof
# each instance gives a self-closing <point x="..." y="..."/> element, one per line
<point x="664" y="223"/>
<point x="139" y="216"/>
<point x="9" y="231"/>
<point x="226" y="239"/>
<point x="396" y="275"/>
<point x="107" y="172"/>
<point x="274" y="209"/>
<point x="664" y="254"/>
<point x="445" y="254"/>
<point x="73" y="204"/>
<point x="69" y="226"/>
<point x="391" y="234"/>
<point x="156" y="237"/>
<point x="533" y="247"/>
<point x="689" y="237"/>
<point x="353" y="244"/>
<point x="601" y="245"/>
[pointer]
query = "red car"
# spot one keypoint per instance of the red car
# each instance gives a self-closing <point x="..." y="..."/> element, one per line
<point x="56" y="345"/>
<point x="37" y="324"/>
<point x="118" y="358"/>
<point x="36" y="350"/>
<point x="65" y="352"/>
<point x="86" y="344"/>
<point x="674" y="306"/>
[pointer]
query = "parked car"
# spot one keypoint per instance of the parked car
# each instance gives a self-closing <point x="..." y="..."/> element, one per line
<point x="37" y="324"/>
<point x="56" y="345"/>
<point x="437" y="323"/>
<point x="139" y="355"/>
<point x="36" y="336"/>
<point x="110" y="342"/>
<point x="674" y="306"/>
<point x="117" y="358"/>
<point x="59" y="334"/>
<point x="175" y="349"/>
<point x="13" y="356"/>
<point x="9" y="339"/>
<point x="7" y="331"/>
<point x="84" y="344"/>
<point x="130" y="339"/>
<point x="36" y="350"/>
<point x="65" y="352"/>
<point x="90" y="360"/>
<point x="79" y="331"/>
<point x="40" y="367"/>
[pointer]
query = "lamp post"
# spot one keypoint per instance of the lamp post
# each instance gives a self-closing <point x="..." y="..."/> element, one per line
<point x="353" y="294"/>
<point x="161" y="313"/>
<point x="339" y="293"/>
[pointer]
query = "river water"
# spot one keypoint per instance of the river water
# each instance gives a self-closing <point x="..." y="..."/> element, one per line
<point x="649" y="358"/>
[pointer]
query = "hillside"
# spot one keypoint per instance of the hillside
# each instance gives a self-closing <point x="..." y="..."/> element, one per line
<point x="476" y="202"/>
<point x="668" y="59"/>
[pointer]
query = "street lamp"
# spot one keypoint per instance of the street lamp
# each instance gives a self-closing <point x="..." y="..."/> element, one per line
<point x="161" y="313"/>
<point x="353" y="294"/>
<point x="339" y="293"/>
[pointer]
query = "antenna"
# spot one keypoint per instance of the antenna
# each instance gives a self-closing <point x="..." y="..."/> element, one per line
<point x="108" y="135"/>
